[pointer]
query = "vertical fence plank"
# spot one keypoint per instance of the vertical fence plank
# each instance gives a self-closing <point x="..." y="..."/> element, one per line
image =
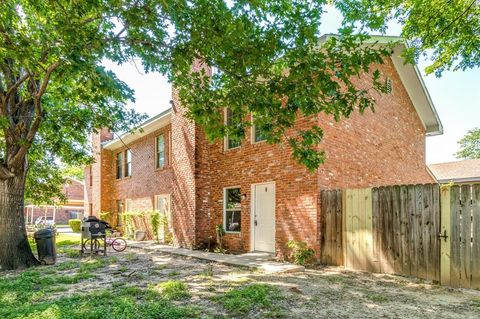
<point x="339" y="234"/>
<point x="445" y="242"/>
<point x="349" y="261"/>
<point x="476" y="237"/>
<point x="362" y="253"/>
<point x="413" y="230"/>
<point x="388" y="229"/>
<point x="376" y="234"/>
<point x="397" y="241"/>
<point x="355" y="230"/>
<point x="436" y="229"/>
<point x="455" y="237"/>
<point x="405" y="231"/>
<point x="369" y="230"/>
<point x="427" y="227"/>
<point x="466" y="236"/>
<point x="419" y="249"/>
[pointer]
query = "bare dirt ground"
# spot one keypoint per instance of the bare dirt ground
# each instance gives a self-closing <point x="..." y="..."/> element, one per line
<point x="328" y="292"/>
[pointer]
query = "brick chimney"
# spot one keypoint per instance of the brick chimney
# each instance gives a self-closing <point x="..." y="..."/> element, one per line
<point x="97" y="175"/>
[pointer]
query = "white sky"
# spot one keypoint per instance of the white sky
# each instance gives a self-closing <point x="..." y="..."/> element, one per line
<point x="456" y="96"/>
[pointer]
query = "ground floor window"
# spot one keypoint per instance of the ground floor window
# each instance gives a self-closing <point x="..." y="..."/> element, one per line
<point x="232" y="212"/>
<point x="119" y="212"/>
<point x="162" y="204"/>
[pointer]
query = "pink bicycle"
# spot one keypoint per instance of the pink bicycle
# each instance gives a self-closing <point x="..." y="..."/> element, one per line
<point x="117" y="243"/>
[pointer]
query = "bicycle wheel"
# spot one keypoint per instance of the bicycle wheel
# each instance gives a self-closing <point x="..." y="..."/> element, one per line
<point x="86" y="245"/>
<point x="119" y="244"/>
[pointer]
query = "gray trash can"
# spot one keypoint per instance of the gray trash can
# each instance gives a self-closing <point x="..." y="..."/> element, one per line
<point x="45" y="240"/>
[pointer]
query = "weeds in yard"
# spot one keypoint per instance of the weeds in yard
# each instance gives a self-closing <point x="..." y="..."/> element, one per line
<point x="68" y="265"/>
<point x="173" y="290"/>
<point x="241" y="301"/>
<point x="70" y="252"/>
<point x="101" y="304"/>
<point x="131" y="256"/>
<point x="173" y="273"/>
<point x="123" y="269"/>
<point x="378" y="298"/>
<point x="207" y="272"/>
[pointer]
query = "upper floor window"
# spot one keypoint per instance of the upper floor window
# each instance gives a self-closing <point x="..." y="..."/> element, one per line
<point x="257" y="134"/>
<point x="128" y="163"/>
<point x="119" y="165"/>
<point x="160" y="152"/>
<point x="231" y="142"/>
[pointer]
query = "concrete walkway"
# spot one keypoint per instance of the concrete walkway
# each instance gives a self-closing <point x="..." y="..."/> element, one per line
<point x="255" y="260"/>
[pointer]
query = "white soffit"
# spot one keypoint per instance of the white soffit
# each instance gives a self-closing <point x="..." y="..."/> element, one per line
<point x="417" y="91"/>
<point x="151" y="125"/>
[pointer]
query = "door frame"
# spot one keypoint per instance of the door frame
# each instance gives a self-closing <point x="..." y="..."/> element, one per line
<point x="252" y="213"/>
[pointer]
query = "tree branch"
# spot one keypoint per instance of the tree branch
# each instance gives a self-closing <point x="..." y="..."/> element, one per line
<point x="46" y="78"/>
<point x="5" y="173"/>
<point x="16" y="85"/>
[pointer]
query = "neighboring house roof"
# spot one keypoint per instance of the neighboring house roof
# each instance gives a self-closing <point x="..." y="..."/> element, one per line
<point x="147" y="127"/>
<point x="74" y="180"/>
<point x="458" y="172"/>
<point x="408" y="73"/>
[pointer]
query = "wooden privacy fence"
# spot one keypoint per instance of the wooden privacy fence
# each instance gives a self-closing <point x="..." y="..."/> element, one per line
<point x="331" y="228"/>
<point x="390" y="229"/>
<point x="460" y="244"/>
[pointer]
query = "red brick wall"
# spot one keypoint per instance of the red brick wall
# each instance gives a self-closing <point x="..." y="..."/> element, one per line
<point x="381" y="148"/>
<point x="146" y="180"/>
<point x="183" y="187"/>
<point x="384" y="147"/>
<point x="296" y="191"/>
<point x="99" y="194"/>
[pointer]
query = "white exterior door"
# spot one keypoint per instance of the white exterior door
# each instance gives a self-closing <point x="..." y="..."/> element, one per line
<point x="263" y="217"/>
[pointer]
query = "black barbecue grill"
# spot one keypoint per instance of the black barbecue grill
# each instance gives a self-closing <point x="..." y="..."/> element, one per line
<point x="93" y="233"/>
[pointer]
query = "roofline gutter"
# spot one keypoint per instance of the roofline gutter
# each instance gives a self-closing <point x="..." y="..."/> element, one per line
<point x="157" y="117"/>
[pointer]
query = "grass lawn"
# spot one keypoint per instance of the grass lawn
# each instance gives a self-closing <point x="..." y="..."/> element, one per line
<point x="139" y="284"/>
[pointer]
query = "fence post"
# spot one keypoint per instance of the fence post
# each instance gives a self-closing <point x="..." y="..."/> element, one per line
<point x="445" y="241"/>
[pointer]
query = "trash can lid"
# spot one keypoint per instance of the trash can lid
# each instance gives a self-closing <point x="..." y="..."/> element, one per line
<point x="43" y="233"/>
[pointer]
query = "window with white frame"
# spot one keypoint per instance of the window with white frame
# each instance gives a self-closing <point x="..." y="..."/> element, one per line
<point x="128" y="163"/>
<point x="119" y="161"/>
<point x="230" y="142"/>
<point x="160" y="152"/>
<point x="162" y="204"/>
<point x="232" y="214"/>
<point x="257" y="134"/>
<point x="119" y="212"/>
<point x="128" y="205"/>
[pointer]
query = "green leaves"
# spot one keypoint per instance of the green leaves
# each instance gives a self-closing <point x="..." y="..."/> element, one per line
<point x="470" y="145"/>
<point x="446" y="32"/>
<point x="268" y="57"/>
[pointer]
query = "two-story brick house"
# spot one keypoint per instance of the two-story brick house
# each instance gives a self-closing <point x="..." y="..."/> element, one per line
<point x="257" y="192"/>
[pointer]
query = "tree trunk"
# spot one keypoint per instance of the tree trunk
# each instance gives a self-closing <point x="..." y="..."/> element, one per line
<point x="15" y="251"/>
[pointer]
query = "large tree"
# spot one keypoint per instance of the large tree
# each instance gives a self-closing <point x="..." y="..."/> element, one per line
<point x="268" y="61"/>
<point x="470" y="145"/>
<point x="445" y="32"/>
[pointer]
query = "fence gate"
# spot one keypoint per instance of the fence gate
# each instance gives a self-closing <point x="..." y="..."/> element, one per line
<point x="394" y="230"/>
<point x="460" y="248"/>
<point x="331" y="250"/>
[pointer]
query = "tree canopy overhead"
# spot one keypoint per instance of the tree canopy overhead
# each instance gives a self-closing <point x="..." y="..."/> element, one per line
<point x="445" y="32"/>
